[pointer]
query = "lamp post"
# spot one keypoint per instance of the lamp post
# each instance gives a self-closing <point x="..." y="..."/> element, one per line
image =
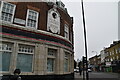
<point x="95" y="52"/>
<point x="85" y="40"/>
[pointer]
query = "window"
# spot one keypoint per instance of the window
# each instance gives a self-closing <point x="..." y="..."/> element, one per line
<point x="94" y="59"/>
<point x="110" y="53"/>
<point x="51" y="60"/>
<point x="71" y="36"/>
<point x="66" y="31"/>
<point x="51" y="52"/>
<point x="32" y="19"/>
<point x="7" y="11"/>
<point x="50" y="65"/>
<point x="111" y="59"/>
<point x="113" y="52"/>
<point x="117" y="57"/>
<point x="119" y="50"/>
<point x="25" y="58"/>
<point x="61" y="5"/>
<point x="116" y="51"/>
<point x="5" y="56"/>
<point x="66" y="62"/>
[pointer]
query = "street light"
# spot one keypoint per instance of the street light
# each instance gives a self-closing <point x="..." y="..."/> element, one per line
<point x="95" y="52"/>
<point x="85" y="39"/>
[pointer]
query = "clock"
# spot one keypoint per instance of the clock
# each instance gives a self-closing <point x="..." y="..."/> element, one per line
<point x="53" y="22"/>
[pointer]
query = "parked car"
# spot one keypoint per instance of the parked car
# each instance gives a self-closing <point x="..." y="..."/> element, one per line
<point x="89" y="70"/>
<point x="76" y="70"/>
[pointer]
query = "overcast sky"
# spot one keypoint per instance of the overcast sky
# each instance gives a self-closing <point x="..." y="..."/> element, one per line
<point x="101" y="24"/>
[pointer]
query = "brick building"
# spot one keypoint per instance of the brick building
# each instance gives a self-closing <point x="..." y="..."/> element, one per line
<point x="93" y="62"/>
<point x="37" y="38"/>
<point x="113" y="56"/>
<point x="108" y="60"/>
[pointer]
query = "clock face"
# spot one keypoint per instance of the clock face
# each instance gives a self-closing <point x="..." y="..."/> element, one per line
<point x="53" y="23"/>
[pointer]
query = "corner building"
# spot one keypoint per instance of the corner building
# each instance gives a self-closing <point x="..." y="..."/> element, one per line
<point x="37" y="38"/>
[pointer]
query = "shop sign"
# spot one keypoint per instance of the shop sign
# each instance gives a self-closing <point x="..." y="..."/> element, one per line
<point x="108" y="63"/>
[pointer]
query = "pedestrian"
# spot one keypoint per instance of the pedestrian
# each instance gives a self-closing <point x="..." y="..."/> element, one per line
<point x="16" y="75"/>
<point x="80" y="69"/>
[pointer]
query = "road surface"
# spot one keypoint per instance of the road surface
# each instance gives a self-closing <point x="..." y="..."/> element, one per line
<point x="99" y="76"/>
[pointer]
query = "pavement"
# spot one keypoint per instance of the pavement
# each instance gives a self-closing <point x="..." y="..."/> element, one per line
<point x="78" y="76"/>
<point x="99" y="76"/>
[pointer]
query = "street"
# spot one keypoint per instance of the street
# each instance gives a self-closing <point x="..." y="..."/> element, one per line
<point x="99" y="76"/>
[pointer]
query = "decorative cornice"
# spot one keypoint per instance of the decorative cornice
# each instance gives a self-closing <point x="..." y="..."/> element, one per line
<point x="3" y="23"/>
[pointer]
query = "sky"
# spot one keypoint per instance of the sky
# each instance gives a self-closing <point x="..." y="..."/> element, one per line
<point x="101" y="18"/>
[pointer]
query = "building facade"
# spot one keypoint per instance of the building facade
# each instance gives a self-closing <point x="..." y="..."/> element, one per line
<point x="108" y="60"/>
<point x="93" y="62"/>
<point x="103" y="57"/>
<point x="37" y="38"/>
<point x="113" y="56"/>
